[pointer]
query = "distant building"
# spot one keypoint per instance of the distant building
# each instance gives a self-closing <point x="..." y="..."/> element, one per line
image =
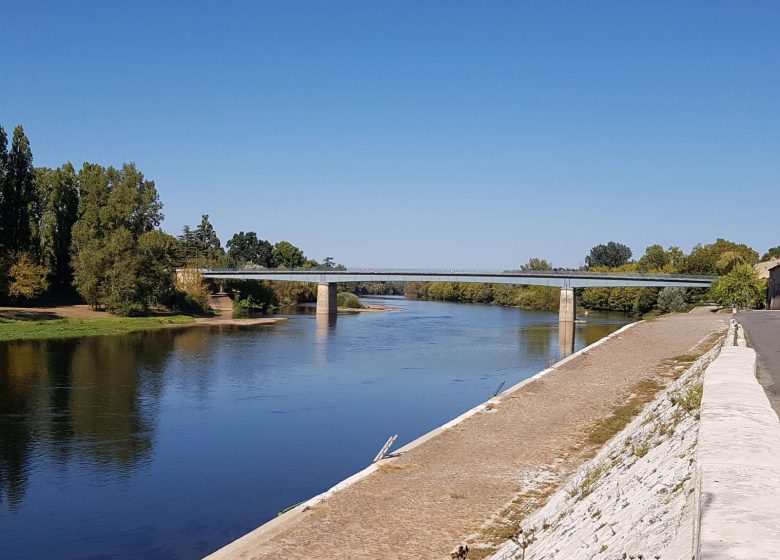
<point x="763" y="267"/>
<point x="773" y="288"/>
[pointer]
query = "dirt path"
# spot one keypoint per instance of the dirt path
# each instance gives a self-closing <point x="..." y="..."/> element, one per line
<point x="421" y="504"/>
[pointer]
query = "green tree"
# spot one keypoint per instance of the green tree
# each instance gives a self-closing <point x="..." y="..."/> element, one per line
<point x="27" y="279"/>
<point x="671" y="299"/>
<point x="58" y="192"/>
<point x="116" y="208"/>
<point x="201" y="248"/>
<point x="610" y="255"/>
<point x="773" y="253"/>
<point x="287" y="255"/>
<point x="18" y="201"/>
<point x="718" y="257"/>
<point x="157" y="252"/>
<point x="741" y="287"/>
<point x="655" y="258"/>
<point x="244" y="248"/>
<point x="535" y="263"/>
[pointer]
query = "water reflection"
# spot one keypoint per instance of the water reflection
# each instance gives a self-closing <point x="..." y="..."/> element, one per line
<point x="78" y="397"/>
<point x="565" y="338"/>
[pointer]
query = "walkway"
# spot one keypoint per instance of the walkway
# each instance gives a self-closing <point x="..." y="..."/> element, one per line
<point x="438" y="494"/>
<point x="762" y="330"/>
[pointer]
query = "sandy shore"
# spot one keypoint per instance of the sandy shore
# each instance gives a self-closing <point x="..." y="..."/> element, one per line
<point x="371" y="308"/>
<point x="506" y="458"/>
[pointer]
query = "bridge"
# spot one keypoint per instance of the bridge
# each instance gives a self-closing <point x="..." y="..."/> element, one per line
<point x="566" y="280"/>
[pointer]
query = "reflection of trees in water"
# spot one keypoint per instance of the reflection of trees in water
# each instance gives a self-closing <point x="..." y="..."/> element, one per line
<point x="538" y="340"/>
<point x="96" y="397"/>
<point x="20" y="368"/>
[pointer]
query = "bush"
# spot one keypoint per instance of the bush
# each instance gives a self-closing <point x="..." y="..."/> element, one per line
<point x="671" y="299"/>
<point x="740" y="288"/>
<point x="192" y="290"/>
<point x="349" y="300"/>
<point x="27" y="279"/>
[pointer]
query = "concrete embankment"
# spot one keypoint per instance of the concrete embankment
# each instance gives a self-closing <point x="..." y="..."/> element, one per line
<point x="475" y="478"/>
<point x="696" y="475"/>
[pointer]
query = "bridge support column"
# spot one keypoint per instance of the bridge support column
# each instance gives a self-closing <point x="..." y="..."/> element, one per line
<point x="568" y="308"/>
<point x="326" y="299"/>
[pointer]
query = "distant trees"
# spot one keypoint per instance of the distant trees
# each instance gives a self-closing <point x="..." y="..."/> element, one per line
<point x="773" y="253"/>
<point x="535" y="263"/>
<point x="719" y="257"/>
<point x="610" y="255"/>
<point x="287" y="255"/>
<point x="246" y="248"/>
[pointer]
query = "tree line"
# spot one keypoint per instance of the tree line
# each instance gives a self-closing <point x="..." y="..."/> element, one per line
<point x="95" y="233"/>
<point x="738" y="284"/>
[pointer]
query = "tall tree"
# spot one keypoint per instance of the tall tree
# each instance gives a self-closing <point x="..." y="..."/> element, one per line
<point x="3" y="175"/>
<point x="18" y="196"/>
<point x="116" y="208"/>
<point x="610" y="255"/>
<point x="245" y="248"/>
<point x="288" y="255"/>
<point x="535" y="263"/>
<point x="58" y="192"/>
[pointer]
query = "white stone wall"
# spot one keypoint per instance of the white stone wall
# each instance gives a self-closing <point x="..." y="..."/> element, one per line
<point x="636" y="497"/>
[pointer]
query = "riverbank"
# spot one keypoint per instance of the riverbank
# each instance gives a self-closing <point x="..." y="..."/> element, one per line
<point x="73" y="321"/>
<point x="71" y="327"/>
<point x="474" y="480"/>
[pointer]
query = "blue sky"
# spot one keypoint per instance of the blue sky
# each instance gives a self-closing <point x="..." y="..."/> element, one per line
<point x="444" y="134"/>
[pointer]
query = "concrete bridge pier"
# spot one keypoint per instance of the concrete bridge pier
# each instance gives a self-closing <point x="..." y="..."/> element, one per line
<point x="567" y="312"/>
<point x="326" y="299"/>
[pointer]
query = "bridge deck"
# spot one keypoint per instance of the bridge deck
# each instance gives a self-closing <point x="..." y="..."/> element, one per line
<point x="559" y="279"/>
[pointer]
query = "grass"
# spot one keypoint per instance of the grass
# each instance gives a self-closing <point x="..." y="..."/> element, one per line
<point x="690" y="400"/>
<point x="641" y="394"/>
<point x="20" y="329"/>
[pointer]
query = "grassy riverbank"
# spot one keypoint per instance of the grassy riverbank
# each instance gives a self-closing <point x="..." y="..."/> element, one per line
<point x="27" y="329"/>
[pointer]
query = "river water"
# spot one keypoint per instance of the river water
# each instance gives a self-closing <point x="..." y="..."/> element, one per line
<point x="170" y="444"/>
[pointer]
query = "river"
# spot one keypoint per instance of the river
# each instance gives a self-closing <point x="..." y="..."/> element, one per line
<point x="169" y="444"/>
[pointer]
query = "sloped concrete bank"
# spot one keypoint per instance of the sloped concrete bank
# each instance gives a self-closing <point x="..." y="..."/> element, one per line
<point x="695" y="475"/>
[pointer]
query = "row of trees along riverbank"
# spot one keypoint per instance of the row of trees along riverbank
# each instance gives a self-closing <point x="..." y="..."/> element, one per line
<point x="739" y="283"/>
<point x="94" y="234"/>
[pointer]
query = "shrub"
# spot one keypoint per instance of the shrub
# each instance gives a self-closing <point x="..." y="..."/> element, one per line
<point x="740" y="288"/>
<point x="349" y="300"/>
<point x="193" y="290"/>
<point x="671" y="299"/>
<point x="27" y="279"/>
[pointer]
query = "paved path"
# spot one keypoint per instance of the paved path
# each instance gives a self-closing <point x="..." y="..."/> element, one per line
<point x="762" y="329"/>
<point x="421" y="504"/>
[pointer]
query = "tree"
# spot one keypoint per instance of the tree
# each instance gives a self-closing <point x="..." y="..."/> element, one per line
<point x="655" y="258"/>
<point x="671" y="299"/>
<point x="710" y="259"/>
<point x="17" y="208"/>
<point x="117" y="208"/>
<point x="28" y="279"/>
<point x="201" y="247"/>
<point x="157" y="252"/>
<point x="287" y="255"/>
<point x="244" y="248"/>
<point x="58" y="192"/>
<point x="610" y="255"/>
<point x="741" y="287"/>
<point x="535" y="263"/>
<point x="773" y="253"/>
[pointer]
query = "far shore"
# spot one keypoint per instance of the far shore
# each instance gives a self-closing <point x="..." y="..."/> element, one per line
<point x="72" y="321"/>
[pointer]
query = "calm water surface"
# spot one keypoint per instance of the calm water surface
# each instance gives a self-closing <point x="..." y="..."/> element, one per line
<point x="170" y="444"/>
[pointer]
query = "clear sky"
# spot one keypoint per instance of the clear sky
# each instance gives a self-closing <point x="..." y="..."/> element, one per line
<point x="423" y="133"/>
